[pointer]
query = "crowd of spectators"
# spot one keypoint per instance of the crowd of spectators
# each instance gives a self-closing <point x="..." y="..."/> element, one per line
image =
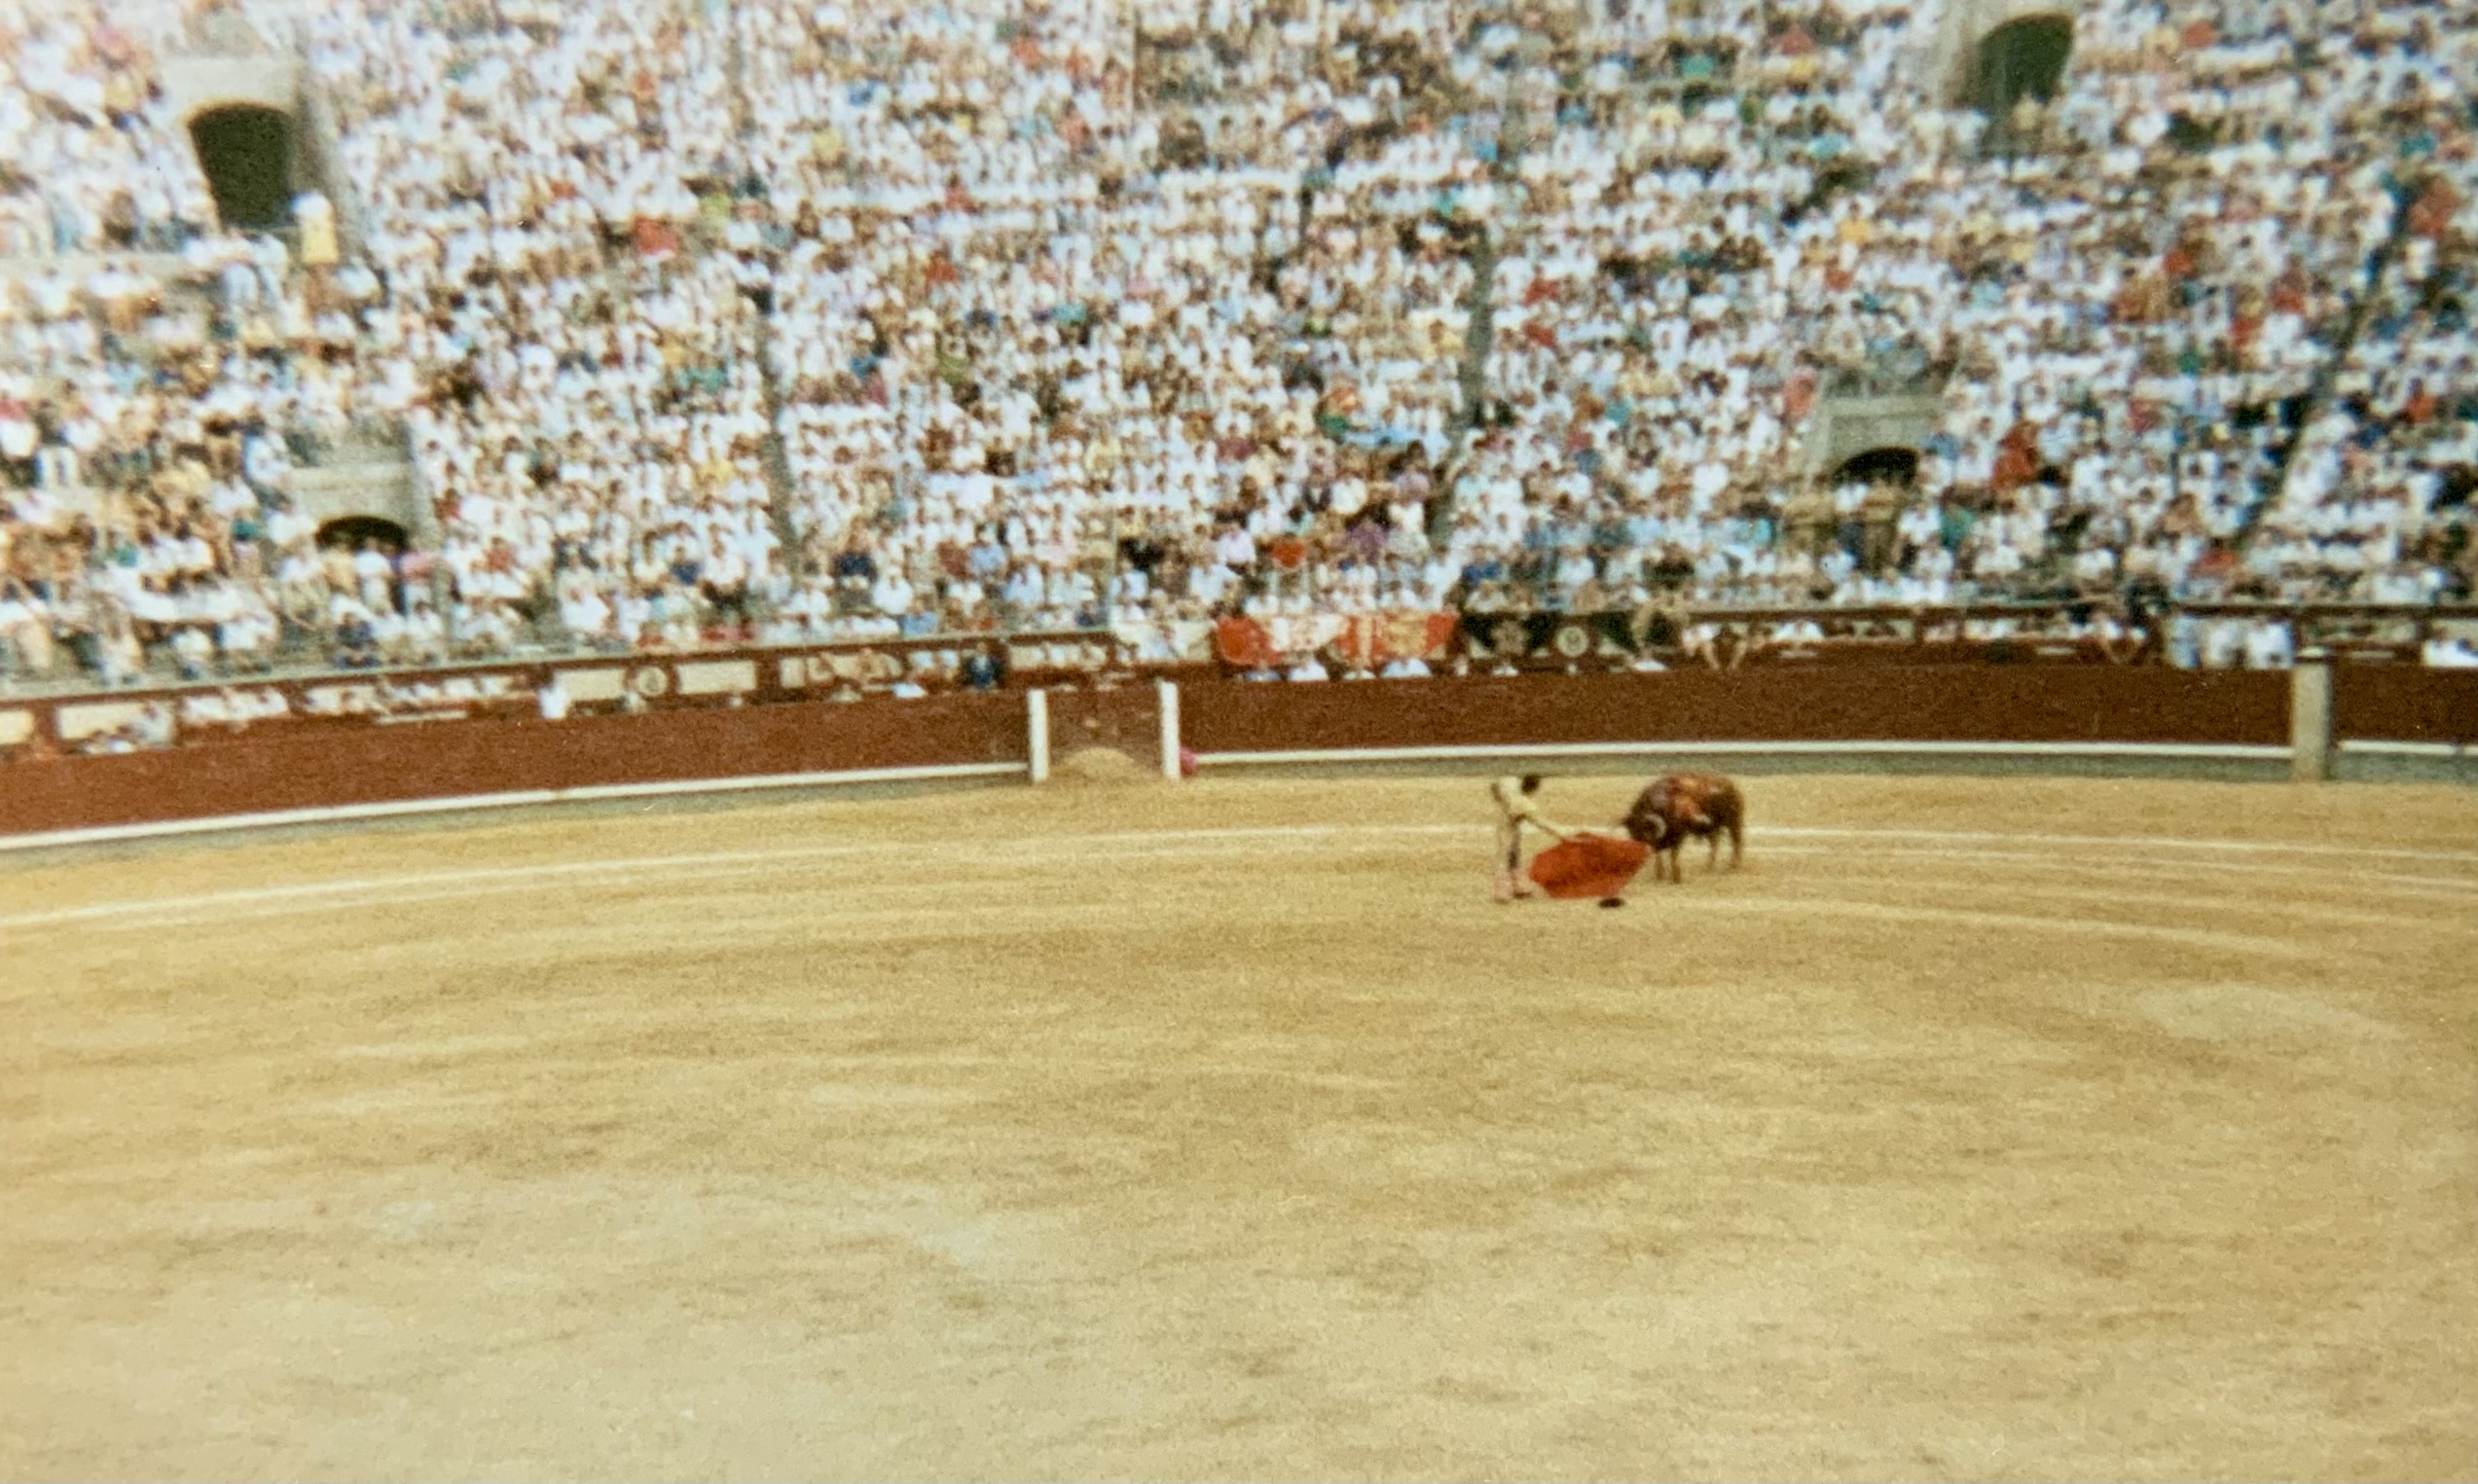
<point x="781" y="320"/>
<point x="2127" y="305"/>
<point x="548" y="187"/>
<point x="160" y="377"/>
<point x="1072" y="329"/>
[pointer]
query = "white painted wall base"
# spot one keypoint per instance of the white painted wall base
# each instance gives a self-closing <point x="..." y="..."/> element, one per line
<point x="346" y="814"/>
<point x="2199" y="751"/>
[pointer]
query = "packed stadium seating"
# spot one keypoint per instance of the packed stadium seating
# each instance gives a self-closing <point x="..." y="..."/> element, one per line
<point x="761" y="321"/>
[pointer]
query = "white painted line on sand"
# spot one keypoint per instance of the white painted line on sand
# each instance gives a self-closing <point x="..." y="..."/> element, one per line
<point x="434" y="884"/>
<point x="2170" y="842"/>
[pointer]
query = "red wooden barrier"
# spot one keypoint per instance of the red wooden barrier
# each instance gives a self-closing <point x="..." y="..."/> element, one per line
<point x="328" y="767"/>
<point x="2078" y="703"/>
<point x="311" y="766"/>
<point x="2381" y="703"/>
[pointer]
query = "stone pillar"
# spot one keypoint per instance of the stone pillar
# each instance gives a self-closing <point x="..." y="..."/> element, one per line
<point x="2311" y="717"/>
<point x="1036" y="733"/>
<point x="1169" y="694"/>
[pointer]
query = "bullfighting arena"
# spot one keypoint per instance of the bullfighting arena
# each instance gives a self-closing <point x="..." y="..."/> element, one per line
<point x="1976" y="1129"/>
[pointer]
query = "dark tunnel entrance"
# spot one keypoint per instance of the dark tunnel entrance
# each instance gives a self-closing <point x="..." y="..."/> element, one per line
<point x="2021" y="58"/>
<point x="246" y="153"/>
<point x="350" y="531"/>
<point x="1879" y="466"/>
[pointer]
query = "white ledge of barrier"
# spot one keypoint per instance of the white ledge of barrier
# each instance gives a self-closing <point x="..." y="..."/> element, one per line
<point x="341" y="814"/>
<point x="2240" y="751"/>
<point x="2409" y="748"/>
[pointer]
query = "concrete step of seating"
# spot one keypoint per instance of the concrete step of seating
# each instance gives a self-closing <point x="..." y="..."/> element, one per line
<point x="167" y="267"/>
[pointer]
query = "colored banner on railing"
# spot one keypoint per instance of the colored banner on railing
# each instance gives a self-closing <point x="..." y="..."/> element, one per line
<point x="133" y="721"/>
<point x="1359" y="638"/>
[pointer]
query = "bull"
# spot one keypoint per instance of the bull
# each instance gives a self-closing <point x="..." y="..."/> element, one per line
<point x="1671" y="808"/>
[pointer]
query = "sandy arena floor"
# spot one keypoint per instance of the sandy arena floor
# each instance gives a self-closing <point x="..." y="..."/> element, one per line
<point x="1227" y="1130"/>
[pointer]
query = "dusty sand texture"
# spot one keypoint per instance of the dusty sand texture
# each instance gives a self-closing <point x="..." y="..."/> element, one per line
<point x="1131" y="1132"/>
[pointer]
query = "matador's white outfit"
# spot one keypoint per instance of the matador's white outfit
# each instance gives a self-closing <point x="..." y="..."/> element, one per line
<point x="1515" y="810"/>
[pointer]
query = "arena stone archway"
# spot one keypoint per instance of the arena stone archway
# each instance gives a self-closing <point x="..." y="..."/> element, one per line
<point x="245" y="150"/>
<point x="352" y="530"/>
<point x="1879" y="466"/>
<point x="2025" y="57"/>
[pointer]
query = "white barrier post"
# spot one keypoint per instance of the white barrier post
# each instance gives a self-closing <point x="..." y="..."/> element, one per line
<point x="1169" y="694"/>
<point x="2311" y="717"/>
<point x="1036" y="733"/>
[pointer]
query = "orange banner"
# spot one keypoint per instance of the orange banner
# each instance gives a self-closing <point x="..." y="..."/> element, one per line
<point x="1364" y="639"/>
